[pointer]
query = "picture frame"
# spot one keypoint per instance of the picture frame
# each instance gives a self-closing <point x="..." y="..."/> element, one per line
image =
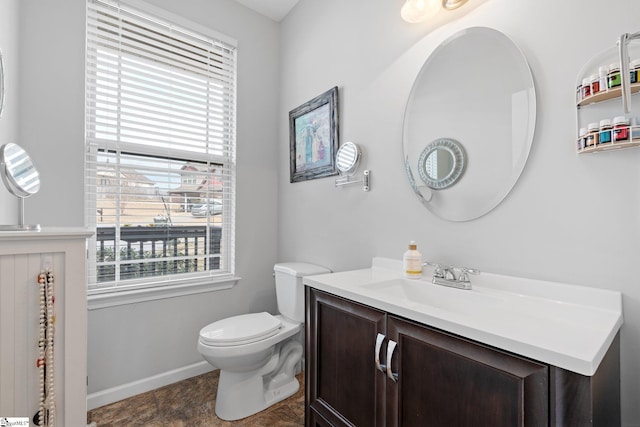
<point x="313" y="137"/>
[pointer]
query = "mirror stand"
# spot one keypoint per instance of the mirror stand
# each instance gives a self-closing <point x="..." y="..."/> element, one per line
<point x="346" y="180"/>
<point x="21" y="226"/>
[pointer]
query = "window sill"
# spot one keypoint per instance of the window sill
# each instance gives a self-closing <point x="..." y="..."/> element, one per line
<point x="133" y="296"/>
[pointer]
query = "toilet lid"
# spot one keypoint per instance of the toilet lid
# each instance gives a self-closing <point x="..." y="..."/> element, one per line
<point x="242" y="329"/>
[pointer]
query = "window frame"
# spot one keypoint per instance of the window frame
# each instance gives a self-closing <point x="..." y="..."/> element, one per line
<point x="164" y="286"/>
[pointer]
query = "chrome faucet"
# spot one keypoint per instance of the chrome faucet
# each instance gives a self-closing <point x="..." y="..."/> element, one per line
<point x="446" y="275"/>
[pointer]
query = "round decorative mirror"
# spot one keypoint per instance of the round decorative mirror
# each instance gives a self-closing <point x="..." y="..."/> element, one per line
<point x="18" y="171"/>
<point x="474" y="91"/>
<point x="347" y="158"/>
<point x="441" y="163"/>
<point x="1" y="84"/>
<point x="21" y="178"/>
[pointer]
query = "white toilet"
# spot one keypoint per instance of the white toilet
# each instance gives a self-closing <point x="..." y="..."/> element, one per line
<point x="257" y="353"/>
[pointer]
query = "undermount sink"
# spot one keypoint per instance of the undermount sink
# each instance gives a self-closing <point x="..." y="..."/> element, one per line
<point x="484" y="303"/>
<point x="418" y="293"/>
<point x="564" y="325"/>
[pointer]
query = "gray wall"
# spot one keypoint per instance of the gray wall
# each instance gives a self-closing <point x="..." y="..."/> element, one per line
<point x="569" y="218"/>
<point x="133" y="342"/>
<point x="9" y="118"/>
<point x="51" y="121"/>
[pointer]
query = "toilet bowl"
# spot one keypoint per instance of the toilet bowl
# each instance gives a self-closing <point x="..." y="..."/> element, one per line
<point x="258" y="353"/>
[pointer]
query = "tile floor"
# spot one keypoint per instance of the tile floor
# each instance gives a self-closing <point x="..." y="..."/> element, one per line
<point x="191" y="403"/>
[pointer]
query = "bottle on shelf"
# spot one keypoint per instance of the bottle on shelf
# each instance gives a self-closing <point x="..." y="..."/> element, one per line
<point x="620" y="129"/>
<point x="634" y="67"/>
<point x="591" y="140"/>
<point x="595" y="84"/>
<point x="605" y="131"/>
<point x="586" y="88"/>
<point x="579" y="93"/>
<point x="602" y="77"/>
<point x="582" y="136"/>
<point x="613" y="76"/>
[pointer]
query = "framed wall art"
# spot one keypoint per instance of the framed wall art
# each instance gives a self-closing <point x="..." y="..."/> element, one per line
<point x="313" y="137"/>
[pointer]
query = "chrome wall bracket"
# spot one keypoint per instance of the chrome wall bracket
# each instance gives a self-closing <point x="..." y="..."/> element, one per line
<point x="348" y="180"/>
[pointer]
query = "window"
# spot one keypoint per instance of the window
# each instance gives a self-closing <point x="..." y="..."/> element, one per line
<point x="160" y="151"/>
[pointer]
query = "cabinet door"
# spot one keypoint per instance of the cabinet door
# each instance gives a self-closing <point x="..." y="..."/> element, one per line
<point x="444" y="380"/>
<point x="343" y="386"/>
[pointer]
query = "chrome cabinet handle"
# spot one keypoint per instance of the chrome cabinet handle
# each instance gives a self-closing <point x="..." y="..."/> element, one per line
<point x="379" y="339"/>
<point x="390" y="349"/>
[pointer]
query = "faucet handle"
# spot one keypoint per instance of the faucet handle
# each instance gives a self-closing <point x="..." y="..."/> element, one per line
<point x="464" y="273"/>
<point x="439" y="270"/>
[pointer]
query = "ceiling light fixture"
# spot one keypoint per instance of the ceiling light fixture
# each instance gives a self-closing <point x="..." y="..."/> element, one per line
<point x="452" y="4"/>
<point x="414" y="11"/>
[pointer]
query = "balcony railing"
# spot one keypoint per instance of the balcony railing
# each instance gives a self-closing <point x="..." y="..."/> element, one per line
<point x="147" y="251"/>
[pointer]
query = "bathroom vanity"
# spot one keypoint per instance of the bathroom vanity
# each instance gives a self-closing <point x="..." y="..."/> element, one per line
<point x="384" y="351"/>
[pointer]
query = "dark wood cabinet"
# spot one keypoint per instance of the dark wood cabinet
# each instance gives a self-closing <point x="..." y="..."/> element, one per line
<point x="340" y="344"/>
<point x="436" y="378"/>
<point x="444" y="380"/>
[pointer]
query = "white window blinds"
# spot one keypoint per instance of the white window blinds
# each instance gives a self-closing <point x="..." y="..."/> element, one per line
<point x="160" y="150"/>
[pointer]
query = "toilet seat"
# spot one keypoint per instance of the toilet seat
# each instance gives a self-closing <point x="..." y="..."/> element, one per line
<point x="240" y="330"/>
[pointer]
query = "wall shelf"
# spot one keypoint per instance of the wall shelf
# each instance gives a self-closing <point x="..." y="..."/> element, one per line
<point x="607" y="104"/>
<point x="611" y="146"/>
<point x="606" y="95"/>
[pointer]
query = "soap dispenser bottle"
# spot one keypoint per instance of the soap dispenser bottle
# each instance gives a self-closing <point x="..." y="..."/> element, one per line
<point x="412" y="262"/>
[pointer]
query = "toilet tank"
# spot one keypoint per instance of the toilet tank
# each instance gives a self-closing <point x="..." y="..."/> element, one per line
<point x="289" y="287"/>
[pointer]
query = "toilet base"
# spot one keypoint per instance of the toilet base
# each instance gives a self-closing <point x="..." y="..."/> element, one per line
<point x="241" y="394"/>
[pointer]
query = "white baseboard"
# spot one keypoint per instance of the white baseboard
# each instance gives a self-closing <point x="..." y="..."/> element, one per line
<point x="114" y="394"/>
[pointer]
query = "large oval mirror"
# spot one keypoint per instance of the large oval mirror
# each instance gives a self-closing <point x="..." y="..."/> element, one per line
<point x="476" y="89"/>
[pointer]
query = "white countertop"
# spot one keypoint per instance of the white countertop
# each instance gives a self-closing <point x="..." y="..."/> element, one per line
<point x="563" y="325"/>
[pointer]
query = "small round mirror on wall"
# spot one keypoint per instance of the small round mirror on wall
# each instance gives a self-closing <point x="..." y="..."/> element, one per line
<point x="347" y="161"/>
<point x="347" y="158"/>
<point x="21" y="178"/>
<point x="475" y="95"/>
